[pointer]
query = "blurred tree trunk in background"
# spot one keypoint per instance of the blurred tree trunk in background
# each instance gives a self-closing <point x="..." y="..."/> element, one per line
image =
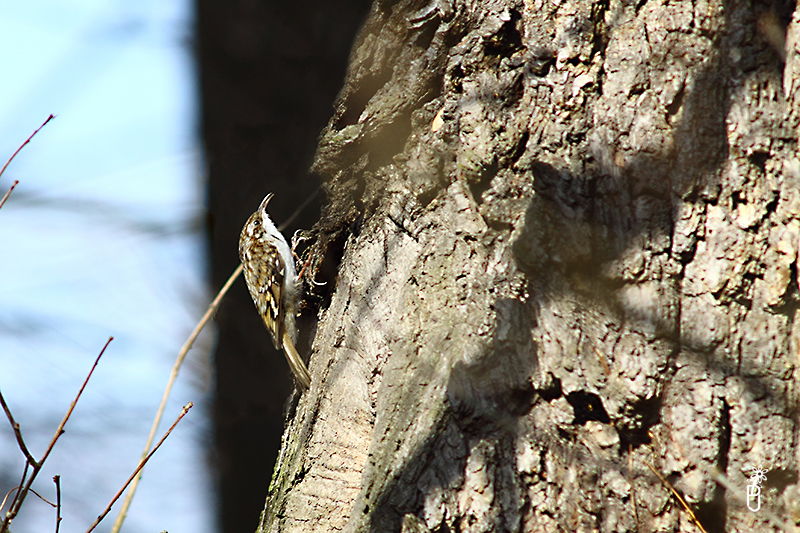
<point x="560" y="245"/>
<point x="269" y="74"/>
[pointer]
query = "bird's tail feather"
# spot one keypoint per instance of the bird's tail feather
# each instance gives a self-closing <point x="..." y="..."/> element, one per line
<point x="296" y="363"/>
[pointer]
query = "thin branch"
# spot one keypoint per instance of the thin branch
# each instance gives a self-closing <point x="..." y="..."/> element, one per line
<point x="139" y="468"/>
<point x="3" y="201"/>
<point x="126" y="503"/>
<point x="7" y="495"/>
<point x="37" y="466"/>
<point x="60" y="428"/>
<point x="299" y="209"/>
<point x="57" y="481"/>
<point x="51" y="117"/>
<point x="45" y="500"/>
<point x="17" y="433"/>
<point x="678" y="496"/>
<point x="21" y="483"/>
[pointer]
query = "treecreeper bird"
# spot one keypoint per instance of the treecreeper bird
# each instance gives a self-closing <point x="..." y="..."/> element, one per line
<point x="272" y="281"/>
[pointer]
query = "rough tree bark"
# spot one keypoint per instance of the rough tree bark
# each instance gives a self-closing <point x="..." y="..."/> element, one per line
<point x="560" y="245"/>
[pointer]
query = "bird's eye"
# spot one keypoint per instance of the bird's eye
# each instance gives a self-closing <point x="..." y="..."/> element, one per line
<point x="257" y="222"/>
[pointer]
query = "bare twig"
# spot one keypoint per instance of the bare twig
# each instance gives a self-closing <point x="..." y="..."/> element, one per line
<point x="57" y="481"/>
<point x="17" y="433"/>
<point x="6" y="497"/>
<point x="60" y="428"/>
<point x="139" y="468"/>
<point x="126" y="503"/>
<point x="51" y="117"/>
<point x="299" y="209"/>
<point x="678" y="496"/>
<point x="45" y="500"/>
<point x="19" y="498"/>
<point x="3" y="201"/>
<point x="21" y="482"/>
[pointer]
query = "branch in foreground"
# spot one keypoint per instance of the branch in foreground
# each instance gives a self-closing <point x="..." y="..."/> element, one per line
<point x="678" y="496"/>
<point x="51" y="117"/>
<point x="57" y="481"/>
<point x="3" y="503"/>
<point x="139" y="468"/>
<point x="20" y="496"/>
<point x="17" y="434"/>
<point x="3" y="201"/>
<point x="172" y="377"/>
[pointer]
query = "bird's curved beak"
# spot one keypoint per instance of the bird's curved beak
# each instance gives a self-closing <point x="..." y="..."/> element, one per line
<point x="265" y="201"/>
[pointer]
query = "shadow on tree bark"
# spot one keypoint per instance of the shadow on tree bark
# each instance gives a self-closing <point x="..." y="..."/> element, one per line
<point x="579" y="260"/>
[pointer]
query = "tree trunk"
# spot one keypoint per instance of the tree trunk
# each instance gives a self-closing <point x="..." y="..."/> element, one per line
<point x="560" y="255"/>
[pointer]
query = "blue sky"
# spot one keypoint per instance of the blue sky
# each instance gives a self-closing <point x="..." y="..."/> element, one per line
<point x="103" y="237"/>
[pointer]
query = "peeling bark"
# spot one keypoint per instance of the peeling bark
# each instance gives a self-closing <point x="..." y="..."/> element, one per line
<point x="560" y="245"/>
